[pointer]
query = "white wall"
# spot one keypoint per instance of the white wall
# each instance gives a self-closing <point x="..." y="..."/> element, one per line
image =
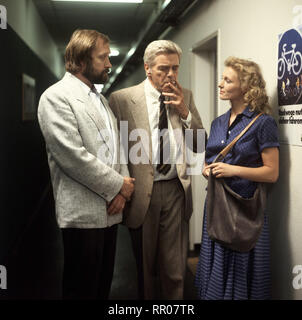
<point x="24" y="19"/>
<point x="249" y="29"/>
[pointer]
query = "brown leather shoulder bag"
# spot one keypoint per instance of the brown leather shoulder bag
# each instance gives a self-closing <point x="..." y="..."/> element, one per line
<point x="233" y="221"/>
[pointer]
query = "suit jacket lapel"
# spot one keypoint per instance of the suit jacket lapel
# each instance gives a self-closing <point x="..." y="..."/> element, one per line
<point x="177" y="125"/>
<point x="90" y="108"/>
<point x="114" y="129"/>
<point x="140" y="114"/>
<point x="98" y="120"/>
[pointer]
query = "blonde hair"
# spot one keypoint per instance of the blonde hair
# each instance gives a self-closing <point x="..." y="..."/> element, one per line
<point x="79" y="48"/>
<point x="158" y="47"/>
<point x="251" y="82"/>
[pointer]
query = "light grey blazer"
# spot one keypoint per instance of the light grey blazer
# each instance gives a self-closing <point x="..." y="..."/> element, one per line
<point x="73" y="131"/>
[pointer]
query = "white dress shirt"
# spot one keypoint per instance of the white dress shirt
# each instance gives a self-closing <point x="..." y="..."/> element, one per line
<point x="152" y="100"/>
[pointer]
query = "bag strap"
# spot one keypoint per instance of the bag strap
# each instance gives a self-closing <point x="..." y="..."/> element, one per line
<point x="227" y="149"/>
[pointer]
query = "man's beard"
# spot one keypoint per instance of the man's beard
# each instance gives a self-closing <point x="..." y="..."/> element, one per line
<point x="93" y="77"/>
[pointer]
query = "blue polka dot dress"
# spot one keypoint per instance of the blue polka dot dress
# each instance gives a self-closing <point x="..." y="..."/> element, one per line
<point x="224" y="274"/>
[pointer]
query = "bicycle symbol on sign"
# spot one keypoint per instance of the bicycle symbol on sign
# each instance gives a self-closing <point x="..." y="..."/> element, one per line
<point x="294" y="63"/>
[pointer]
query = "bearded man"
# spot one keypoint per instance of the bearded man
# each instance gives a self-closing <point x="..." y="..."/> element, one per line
<point x="90" y="185"/>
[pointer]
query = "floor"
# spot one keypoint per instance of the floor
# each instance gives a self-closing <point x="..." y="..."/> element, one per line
<point x="124" y="285"/>
<point x="35" y="266"/>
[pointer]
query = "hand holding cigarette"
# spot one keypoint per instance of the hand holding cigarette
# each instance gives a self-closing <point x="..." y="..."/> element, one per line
<point x="173" y="91"/>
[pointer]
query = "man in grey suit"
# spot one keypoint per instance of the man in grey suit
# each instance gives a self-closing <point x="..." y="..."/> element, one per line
<point x="161" y="205"/>
<point x="90" y="185"/>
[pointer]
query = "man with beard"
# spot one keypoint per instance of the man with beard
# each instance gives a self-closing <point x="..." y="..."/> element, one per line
<point x="90" y="185"/>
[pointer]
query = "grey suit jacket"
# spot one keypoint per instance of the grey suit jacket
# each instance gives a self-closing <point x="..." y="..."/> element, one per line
<point x="83" y="182"/>
<point x="130" y="105"/>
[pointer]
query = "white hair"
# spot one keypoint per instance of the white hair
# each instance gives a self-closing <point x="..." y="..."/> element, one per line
<point x="160" y="47"/>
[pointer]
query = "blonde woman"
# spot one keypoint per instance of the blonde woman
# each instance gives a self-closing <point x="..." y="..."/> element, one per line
<point x="223" y="273"/>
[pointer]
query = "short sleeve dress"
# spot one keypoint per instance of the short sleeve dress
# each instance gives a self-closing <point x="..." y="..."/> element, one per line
<point x="222" y="273"/>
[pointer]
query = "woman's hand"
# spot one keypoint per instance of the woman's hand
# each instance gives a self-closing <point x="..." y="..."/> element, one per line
<point x="221" y="170"/>
<point x="269" y="172"/>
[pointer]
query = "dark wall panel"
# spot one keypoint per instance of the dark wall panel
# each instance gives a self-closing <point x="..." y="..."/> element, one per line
<point x="30" y="243"/>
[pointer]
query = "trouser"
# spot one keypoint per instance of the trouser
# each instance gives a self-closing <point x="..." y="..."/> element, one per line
<point x="160" y="245"/>
<point x="88" y="262"/>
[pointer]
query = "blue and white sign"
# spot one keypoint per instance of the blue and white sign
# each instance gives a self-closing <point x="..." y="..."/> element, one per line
<point x="290" y="68"/>
<point x="290" y="85"/>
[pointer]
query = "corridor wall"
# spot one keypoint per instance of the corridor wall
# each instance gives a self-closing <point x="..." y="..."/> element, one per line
<point x="250" y="29"/>
<point x="30" y="244"/>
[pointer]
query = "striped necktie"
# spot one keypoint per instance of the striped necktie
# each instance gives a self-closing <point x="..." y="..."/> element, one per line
<point x="164" y="144"/>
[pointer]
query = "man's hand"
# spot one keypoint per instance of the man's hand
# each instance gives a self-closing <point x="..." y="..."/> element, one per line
<point x="127" y="188"/>
<point x="206" y="170"/>
<point x="173" y="91"/>
<point x="116" y="205"/>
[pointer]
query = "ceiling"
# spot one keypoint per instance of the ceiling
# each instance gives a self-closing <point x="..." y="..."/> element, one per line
<point x="129" y="26"/>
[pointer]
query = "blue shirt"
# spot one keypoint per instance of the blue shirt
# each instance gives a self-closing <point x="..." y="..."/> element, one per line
<point x="247" y="150"/>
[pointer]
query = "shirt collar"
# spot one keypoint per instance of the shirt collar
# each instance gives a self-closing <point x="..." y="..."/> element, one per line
<point x="81" y="83"/>
<point x="151" y="92"/>
<point x="246" y="112"/>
